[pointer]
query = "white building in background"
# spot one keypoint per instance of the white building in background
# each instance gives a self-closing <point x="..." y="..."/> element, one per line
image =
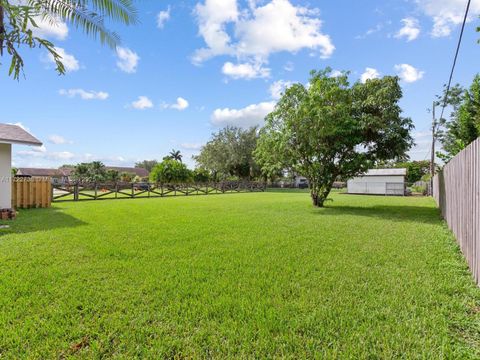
<point x="379" y="182"/>
<point x="10" y="134"/>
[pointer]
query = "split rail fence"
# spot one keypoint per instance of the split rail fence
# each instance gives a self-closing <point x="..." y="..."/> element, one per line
<point x="79" y="191"/>
<point x="31" y="193"/>
<point x="456" y="190"/>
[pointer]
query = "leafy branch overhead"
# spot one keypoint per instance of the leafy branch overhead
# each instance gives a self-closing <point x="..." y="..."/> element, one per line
<point x="18" y="21"/>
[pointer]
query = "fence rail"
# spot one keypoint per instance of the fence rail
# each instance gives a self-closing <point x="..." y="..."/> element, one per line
<point x="79" y="191"/>
<point x="456" y="190"/>
<point x="31" y="193"/>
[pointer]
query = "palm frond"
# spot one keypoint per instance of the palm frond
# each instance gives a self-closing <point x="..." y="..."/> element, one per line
<point x="91" y="21"/>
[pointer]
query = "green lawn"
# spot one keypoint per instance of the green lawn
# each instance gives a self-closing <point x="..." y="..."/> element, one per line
<point x="258" y="275"/>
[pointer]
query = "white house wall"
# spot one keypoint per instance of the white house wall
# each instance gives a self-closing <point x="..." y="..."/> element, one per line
<point x="5" y="176"/>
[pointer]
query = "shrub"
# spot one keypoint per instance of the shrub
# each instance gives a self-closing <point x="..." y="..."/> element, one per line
<point x="170" y="171"/>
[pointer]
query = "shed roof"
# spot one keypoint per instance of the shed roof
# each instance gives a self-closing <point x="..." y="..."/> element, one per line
<point x="386" y="172"/>
<point x="14" y="134"/>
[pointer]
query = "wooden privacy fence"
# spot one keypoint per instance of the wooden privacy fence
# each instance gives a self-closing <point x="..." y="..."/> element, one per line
<point x="31" y="192"/>
<point x="78" y="191"/>
<point x="456" y="190"/>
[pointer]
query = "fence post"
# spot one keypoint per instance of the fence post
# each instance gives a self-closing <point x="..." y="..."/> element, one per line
<point x="75" y="191"/>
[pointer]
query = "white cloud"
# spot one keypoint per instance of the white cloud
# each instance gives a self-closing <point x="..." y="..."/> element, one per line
<point x="41" y="152"/>
<point x="162" y="17"/>
<point x="58" y="140"/>
<point x="142" y="103"/>
<point x="180" y="105"/>
<point x="258" y="31"/>
<point x="190" y="146"/>
<point x="369" y="73"/>
<point x="68" y="60"/>
<point x="251" y="115"/>
<point x="281" y="26"/>
<point x="127" y="60"/>
<point x="336" y="73"/>
<point x="446" y="14"/>
<point x="410" y="29"/>
<point x="278" y="87"/>
<point x="83" y="94"/>
<point x="50" y="28"/>
<point x="408" y="73"/>
<point x="245" y="71"/>
<point x="370" y="31"/>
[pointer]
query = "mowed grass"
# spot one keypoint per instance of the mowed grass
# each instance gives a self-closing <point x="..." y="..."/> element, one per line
<point x="259" y="275"/>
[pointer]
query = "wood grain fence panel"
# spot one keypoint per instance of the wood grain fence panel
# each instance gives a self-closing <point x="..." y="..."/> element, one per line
<point x="31" y="192"/>
<point x="457" y="193"/>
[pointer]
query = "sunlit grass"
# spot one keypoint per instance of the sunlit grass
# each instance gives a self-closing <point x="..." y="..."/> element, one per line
<point x="256" y="275"/>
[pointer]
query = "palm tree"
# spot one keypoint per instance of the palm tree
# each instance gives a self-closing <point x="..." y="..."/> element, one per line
<point x="17" y="19"/>
<point x="175" y="155"/>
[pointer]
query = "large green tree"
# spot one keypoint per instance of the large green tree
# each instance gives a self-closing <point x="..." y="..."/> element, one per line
<point x="331" y="129"/>
<point x="230" y="153"/>
<point x="19" y="18"/>
<point x="463" y="126"/>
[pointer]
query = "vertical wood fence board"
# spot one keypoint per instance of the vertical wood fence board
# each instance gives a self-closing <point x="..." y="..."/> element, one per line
<point x="457" y="194"/>
<point x="31" y="193"/>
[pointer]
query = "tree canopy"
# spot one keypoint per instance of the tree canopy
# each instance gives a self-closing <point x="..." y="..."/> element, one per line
<point x="19" y="19"/>
<point x="170" y="171"/>
<point x="331" y="129"/>
<point x="463" y="127"/>
<point x="146" y="164"/>
<point x="230" y="153"/>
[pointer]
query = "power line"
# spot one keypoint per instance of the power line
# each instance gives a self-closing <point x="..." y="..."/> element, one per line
<point x="455" y="59"/>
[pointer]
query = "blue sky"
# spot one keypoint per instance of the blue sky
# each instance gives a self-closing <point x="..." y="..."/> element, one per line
<point x="192" y="67"/>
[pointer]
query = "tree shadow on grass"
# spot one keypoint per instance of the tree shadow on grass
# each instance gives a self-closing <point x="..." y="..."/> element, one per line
<point x="32" y="220"/>
<point x="417" y="214"/>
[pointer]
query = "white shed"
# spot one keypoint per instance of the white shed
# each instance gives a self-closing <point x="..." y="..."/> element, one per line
<point x="379" y="182"/>
<point x="10" y="134"/>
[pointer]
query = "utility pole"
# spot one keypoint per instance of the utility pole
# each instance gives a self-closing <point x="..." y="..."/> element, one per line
<point x="432" y="158"/>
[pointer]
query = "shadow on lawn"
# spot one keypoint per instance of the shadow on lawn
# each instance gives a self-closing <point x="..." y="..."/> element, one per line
<point x="32" y="220"/>
<point x="419" y="214"/>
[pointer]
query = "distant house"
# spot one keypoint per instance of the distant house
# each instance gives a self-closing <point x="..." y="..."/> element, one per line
<point x="63" y="175"/>
<point x="379" y="182"/>
<point x="10" y="134"/>
<point x="58" y="175"/>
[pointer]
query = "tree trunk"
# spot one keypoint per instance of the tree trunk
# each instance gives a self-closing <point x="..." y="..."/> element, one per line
<point x="319" y="193"/>
<point x="317" y="199"/>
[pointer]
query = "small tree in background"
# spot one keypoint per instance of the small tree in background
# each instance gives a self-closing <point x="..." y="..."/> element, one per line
<point x="170" y="171"/>
<point x="127" y="177"/>
<point x="112" y="175"/>
<point x="94" y="172"/>
<point x="201" y="175"/>
<point x="146" y="164"/>
<point x="415" y="169"/>
<point x="463" y="127"/>
<point x="230" y="153"/>
<point x="175" y="155"/>
<point x="331" y="130"/>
